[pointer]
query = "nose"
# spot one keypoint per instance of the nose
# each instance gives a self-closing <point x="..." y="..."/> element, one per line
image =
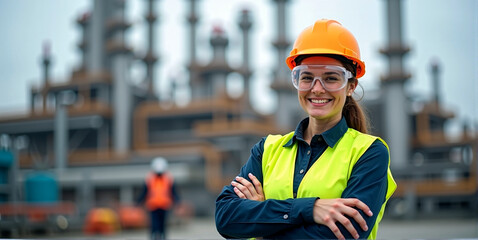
<point x="317" y="86"/>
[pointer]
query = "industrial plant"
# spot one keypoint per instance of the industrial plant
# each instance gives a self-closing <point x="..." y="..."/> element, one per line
<point x="88" y="142"/>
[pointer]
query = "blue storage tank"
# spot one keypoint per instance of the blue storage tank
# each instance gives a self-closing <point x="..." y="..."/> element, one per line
<point x="41" y="187"/>
<point x="6" y="160"/>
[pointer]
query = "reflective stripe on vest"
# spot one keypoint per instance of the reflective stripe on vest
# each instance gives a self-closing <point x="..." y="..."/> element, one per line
<point x="159" y="192"/>
<point x="332" y="170"/>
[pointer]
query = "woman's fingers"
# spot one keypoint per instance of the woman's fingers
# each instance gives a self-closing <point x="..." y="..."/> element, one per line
<point x="244" y="186"/>
<point x="352" y="212"/>
<point x="330" y="211"/>
<point x="238" y="192"/>
<point x="348" y="225"/>
<point x="353" y="202"/>
<point x="333" y="227"/>
<point x="239" y="188"/>
<point x="245" y="189"/>
<point x="258" y="187"/>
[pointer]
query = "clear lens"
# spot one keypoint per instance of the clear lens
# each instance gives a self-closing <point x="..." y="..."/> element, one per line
<point x="332" y="78"/>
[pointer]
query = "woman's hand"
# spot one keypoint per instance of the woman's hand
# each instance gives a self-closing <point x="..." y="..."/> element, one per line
<point x="247" y="190"/>
<point x="330" y="211"/>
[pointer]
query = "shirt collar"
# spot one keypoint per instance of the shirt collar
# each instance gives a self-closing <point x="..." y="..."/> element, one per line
<point x="331" y="136"/>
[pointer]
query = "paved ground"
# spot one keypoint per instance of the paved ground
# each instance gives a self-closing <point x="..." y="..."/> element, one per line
<point x="429" y="229"/>
<point x="456" y="228"/>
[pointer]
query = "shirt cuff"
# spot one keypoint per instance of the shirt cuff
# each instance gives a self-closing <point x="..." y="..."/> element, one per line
<point x="302" y="210"/>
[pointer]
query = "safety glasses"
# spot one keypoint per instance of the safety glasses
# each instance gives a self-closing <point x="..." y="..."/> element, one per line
<point x="332" y="78"/>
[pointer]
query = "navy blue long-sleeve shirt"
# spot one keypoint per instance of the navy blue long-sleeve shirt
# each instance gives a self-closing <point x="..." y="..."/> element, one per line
<point x="293" y="218"/>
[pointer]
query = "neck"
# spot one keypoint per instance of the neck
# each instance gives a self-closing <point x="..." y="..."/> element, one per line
<point x="318" y="126"/>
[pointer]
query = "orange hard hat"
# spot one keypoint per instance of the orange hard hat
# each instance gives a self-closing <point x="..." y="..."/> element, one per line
<point x="327" y="37"/>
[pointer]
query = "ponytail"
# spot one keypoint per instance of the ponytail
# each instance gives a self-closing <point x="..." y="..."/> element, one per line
<point x="352" y="111"/>
<point x="354" y="115"/>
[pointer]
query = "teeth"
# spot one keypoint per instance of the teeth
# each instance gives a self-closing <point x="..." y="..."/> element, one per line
<point x="319" y="101"/>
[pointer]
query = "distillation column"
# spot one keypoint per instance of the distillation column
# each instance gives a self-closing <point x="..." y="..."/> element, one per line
<point x="286" y="94"/>
<point x="119" y="57"/>
<point x="150" y="59"/>
<point x="396" y="108"/>
<point x="192" y="67"/>
<point x="245" y="24"/>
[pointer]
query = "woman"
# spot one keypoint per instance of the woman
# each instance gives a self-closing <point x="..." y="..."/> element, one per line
<point x="328" y="178"/>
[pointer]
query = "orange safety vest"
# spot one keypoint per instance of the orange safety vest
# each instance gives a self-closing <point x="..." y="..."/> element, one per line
<point x="159" y="192"/>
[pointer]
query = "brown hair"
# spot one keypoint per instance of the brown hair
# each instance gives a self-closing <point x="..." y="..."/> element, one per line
<point x="352" y="111"/>
<point x="355" y="115"/>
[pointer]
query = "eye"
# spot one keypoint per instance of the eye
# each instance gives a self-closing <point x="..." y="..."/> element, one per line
<point x="306" y="78"/>
<point x="332" y="79"/>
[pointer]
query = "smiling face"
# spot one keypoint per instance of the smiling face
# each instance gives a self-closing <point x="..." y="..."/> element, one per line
<point x="320" y="104"/>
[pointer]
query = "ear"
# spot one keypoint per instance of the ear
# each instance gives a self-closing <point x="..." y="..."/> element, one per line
<point x="351" y="87"/>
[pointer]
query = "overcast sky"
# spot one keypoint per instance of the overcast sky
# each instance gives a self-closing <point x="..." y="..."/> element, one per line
<point x="446" y="30"/>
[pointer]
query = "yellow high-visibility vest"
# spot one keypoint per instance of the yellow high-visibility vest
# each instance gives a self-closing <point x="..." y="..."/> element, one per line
<point x="328" y="176"/>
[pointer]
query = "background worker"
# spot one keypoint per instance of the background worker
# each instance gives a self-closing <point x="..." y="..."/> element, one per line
<point x="159" y="194"/>
<point x="328" y="178"/>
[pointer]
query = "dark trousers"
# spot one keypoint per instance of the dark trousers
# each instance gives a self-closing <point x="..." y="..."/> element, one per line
<point x="158" y="224"/>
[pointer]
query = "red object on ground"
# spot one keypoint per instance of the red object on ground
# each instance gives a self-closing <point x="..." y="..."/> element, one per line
<point x="101" y="221"/>
<point x="132" y="217"/>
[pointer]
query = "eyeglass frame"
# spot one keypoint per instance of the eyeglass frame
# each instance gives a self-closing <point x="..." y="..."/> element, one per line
<point x="347" y="75"/>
